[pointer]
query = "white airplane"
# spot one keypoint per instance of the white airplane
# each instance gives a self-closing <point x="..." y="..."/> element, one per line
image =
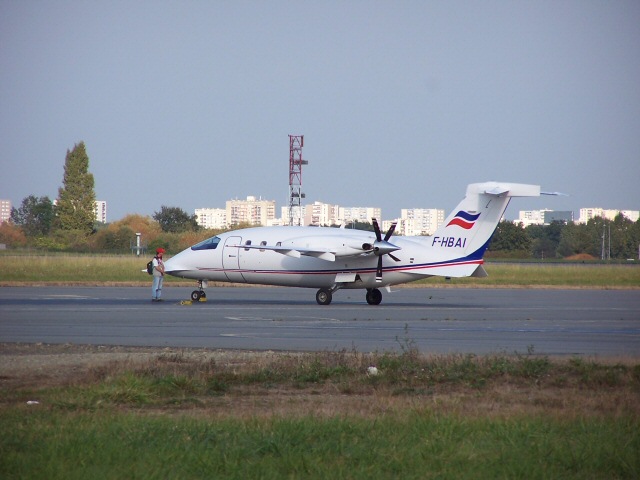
<point x="331" y="259"/>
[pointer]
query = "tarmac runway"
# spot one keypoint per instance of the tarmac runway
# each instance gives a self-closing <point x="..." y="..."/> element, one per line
<point x="451" y="320"/>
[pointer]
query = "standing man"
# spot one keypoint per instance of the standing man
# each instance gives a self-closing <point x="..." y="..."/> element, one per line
<point x="158" y="276"/>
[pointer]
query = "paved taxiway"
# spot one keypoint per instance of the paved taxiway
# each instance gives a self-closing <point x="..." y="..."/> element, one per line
<point x="552" y="322"/>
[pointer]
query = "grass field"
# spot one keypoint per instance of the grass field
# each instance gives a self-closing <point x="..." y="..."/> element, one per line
<point x="179" y="415"/>
<point x="321" y="416"/>
<point x="418" y="445"/>
<point x="127" y="269"/>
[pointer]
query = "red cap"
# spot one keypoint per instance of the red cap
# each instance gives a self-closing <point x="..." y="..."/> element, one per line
<point x="160" y="250"/>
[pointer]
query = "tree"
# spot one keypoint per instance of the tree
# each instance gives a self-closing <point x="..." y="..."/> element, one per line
<point x="366" y="226"/>
<point x="12" y="235"/>
<point x="545" y="239"/>
<point x="76" y="198"/>
<point x="34" y="216"/>
<point x="597" y="233"/>
<point x="581" y="239"/>
<point x="117" y="239"/>
<point x="510" y="237"/>
<point x="175" y="220"/>
<point x="623" y="243"/>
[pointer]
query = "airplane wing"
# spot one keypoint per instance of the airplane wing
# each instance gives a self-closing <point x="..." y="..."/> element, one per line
<point x="295" y="252"/>
<point x="329" y="249"/>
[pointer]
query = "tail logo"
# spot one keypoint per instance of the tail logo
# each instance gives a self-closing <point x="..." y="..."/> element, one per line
<point x="464" y="220"/>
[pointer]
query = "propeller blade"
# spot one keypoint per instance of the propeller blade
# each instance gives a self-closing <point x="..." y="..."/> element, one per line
<point x="379" y="270"/>
<point x="382" y="246"/>
<point x="390" y="232"/>
<point x="376" y="228"/>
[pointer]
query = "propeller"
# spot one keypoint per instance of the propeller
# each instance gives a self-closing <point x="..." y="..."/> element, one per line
<point x="382" y="246"/>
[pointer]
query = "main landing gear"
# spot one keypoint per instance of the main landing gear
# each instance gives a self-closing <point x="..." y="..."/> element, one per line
<point x="374" y="296"/>
<point x="324" y="296"/>
<point x="199" y="294"/>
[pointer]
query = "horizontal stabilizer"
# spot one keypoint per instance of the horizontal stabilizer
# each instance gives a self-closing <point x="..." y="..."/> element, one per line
<point x="498" y="190"/>
<point x="504" y="189"/>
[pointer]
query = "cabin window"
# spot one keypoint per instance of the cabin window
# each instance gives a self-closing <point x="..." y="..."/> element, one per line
<point x="248" y="242"/>
<point x="263" y="243"/>
<point x="208" y="244"/>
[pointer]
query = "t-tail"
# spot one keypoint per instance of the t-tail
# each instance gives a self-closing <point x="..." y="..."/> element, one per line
<point x="464" y="236"/>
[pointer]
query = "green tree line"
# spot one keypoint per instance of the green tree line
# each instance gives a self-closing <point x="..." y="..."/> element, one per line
<point x="69" y="224"/>
<point x="612" y="239"/>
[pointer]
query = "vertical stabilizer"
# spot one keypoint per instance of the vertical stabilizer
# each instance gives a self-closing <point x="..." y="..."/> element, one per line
<point x="468" y="228"/>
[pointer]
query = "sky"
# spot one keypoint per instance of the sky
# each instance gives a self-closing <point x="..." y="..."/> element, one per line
<point x="401" y="103"/>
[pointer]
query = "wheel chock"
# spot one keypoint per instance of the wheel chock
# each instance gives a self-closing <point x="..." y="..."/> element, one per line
<point x="186" y="302"/>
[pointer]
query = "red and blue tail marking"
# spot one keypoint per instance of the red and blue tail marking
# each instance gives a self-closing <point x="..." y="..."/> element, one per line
<point x="464" y="219"/>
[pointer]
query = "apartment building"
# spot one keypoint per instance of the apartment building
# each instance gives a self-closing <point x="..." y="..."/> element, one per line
<point x="587" y="214"/>
<point x="298" y="216"/>
<point x="5" y="210"/>
<point x="321" y="214"/>
<point x="211" y="217"/>
<point x="348" y="215"/>
<point x="543" y="217"/>
<point x="100" y="210"/>
<point x="419" y="221"/>
<point x="253" y="211"/>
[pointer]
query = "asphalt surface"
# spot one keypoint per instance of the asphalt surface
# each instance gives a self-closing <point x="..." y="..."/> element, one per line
<point x="550" y="322"/>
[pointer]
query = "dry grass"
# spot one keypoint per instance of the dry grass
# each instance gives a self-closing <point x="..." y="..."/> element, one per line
<point x="227" y="384"/>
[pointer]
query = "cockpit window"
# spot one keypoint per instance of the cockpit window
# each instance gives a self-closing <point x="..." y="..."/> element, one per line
<point x="208" y="244"/>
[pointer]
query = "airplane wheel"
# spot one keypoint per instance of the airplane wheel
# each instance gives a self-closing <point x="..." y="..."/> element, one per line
<point x="374" y="296"/>
<point x="323" y="296"/>
<point x="195" y="295"/>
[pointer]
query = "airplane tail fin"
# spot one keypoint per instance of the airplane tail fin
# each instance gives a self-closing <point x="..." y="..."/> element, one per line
<point x="465" y="234"/>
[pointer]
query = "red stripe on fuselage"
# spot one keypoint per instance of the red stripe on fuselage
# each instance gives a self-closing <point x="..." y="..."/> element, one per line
<point x="404" y="268"/>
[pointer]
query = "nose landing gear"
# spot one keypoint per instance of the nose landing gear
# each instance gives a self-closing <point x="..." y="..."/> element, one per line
<point x="200" y="295"/>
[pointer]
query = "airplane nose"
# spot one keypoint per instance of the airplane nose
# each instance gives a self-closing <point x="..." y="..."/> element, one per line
<point x="174" y="265"/>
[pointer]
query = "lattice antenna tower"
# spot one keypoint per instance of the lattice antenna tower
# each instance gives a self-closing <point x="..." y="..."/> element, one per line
<point x="296" y="142"/>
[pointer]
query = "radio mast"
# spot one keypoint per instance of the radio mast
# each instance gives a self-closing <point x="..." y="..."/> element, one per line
<point x="296" y="142"/>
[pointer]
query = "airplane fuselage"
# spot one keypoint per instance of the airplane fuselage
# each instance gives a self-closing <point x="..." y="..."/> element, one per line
<point x="231" y="261"/>
<point x="336" y="258"/>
